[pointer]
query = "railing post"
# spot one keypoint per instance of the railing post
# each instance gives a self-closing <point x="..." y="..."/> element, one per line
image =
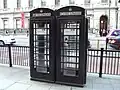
<point x="98" y="44"/>
<point x="10" y="57"/>
<point x="101" y="62"/>
<point x="106" y="43"/>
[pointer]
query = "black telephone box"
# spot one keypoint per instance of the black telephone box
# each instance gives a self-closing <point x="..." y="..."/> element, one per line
<point x="58" y="45"/>
<point x="71" y="49"/>
<point x="42" y="42"/>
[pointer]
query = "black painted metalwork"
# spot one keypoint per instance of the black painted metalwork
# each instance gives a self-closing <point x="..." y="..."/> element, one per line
<point x="71" y="46"/>
<point x="58" y="54"/>
<point x="42" y="44"/>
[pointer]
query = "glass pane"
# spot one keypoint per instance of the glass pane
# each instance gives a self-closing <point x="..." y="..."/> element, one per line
<point x="70" y="47"/>
<point x="41" y="46"/>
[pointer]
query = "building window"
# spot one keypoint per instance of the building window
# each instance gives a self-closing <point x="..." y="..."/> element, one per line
<point x="71" y="2"/>
<point x="28" y="23"/>
<point x="104" y="1"/>
<point x="43" y="3"/>
<point x="5" y="24"/>
<point x="18" y="25"/>
<point x="18" y="3"/>
<point x="30" y="3"/>
<point x="88" y="22"/>
<point x="57" y="2"/>
<point x="86" y="1"/>
<point x="5" y="3"/>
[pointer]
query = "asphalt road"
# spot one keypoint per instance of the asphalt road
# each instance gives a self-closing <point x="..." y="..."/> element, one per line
<point x="95" y="41"/>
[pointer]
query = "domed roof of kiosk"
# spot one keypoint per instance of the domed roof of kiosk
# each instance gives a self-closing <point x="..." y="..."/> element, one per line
<point x="38" y="10"/>
<point x="42" y="10"/>
<point x="73" y="9"/>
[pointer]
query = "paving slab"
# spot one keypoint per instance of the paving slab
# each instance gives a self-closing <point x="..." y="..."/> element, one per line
<point x="60" y="87"/>
<point x="4" y="83"/>
<point x="17" y="78"/>
<point x="40" y="87"/>
<point x="18" y="86"/>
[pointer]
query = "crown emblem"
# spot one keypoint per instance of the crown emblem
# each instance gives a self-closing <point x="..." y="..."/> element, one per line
<point x="41" y="10"/>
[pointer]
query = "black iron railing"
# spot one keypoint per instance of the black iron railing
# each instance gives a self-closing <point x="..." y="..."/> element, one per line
<point x="14" y="55"/>
<point x="98" y="61"/>
<point x="103" y="61"/>
<point x="20" y="55"/>
<point x="4" y="54"/>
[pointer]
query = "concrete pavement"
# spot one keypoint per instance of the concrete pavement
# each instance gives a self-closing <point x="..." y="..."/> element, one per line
<point x="17" y="78"/>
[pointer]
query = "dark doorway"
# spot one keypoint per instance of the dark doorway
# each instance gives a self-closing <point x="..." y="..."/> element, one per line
<point x="103" y="25"/>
